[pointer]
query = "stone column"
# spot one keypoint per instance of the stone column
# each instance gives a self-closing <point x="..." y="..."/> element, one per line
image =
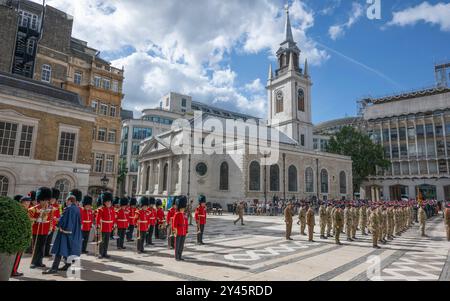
<point x="169" y="176"/>
<point x="160" y="175"/>
<point x="151" y="185"/>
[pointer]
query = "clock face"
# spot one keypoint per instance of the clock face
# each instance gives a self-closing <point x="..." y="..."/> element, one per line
<point x="279" y="95"/>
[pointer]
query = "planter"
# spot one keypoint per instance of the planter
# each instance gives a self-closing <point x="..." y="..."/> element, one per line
<point x="6" y="265"/>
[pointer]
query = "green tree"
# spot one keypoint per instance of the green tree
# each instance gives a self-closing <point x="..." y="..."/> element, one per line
<point x="365" y="154"/>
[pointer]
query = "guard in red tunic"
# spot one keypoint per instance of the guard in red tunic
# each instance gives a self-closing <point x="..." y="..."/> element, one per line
<point x="131" y="221"/>
<point x="87" y="219"/>
<point x="160" y="219"/>
<point x="170" y="235"/>
<point x="25" y="203"/>
<point x="180" y="226"/>
<point x="142" y="220"/>
<point x="105" y="223"/>
<point x="42" y="218"/>
<point x="200" y="218"/>
<point x="152" y="220"/>
<point x="56" y="216"/>
<point x="122" y="222"/>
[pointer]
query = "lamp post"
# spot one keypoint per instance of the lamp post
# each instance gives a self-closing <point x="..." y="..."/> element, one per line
<point x="105" y="182"/>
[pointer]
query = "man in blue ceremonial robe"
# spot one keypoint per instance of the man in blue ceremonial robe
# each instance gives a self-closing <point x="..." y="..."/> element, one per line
<point x="68" y="239"/>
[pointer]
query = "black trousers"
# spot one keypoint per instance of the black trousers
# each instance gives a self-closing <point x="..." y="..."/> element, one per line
<point x="103" y="249"/>
<point x="150" y="234"/>
<point x="129" y="233"/>
<point x="39" y="248"/>
<point x="121" y="239"/>
<point x="141" y="240"/>
<point x="48" y="244"/>
<point x="179" y="246"/>
<point x="85" y="235"/>
<point x="200" y="234"/>
<point x="157" y="232"/>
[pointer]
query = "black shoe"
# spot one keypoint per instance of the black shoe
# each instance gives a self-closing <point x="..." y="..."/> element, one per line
<point x="311" y="240"/>
<point x="289" y="238"/>
<point x="130" y="240"/>
<point x="47" y="255"/>
<point x="339" y="243"/>
<point x="64" y="268"/>
<point x="17" y="274"/>
<point x="100" y="257"/>
<point x="376" y="247"/>
<point x="50" y="272"/>
<point x="106" y="256"/>
<point x="35" y="266"/>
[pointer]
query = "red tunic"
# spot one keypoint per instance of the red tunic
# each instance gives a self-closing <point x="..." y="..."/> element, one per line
<point x="160" y="216"/>
<point x="142" y="219"/>
<point x="170" y="215"/>
<point x="42" y="219"/>
<point x="152" y="216"/>
<point x="56" y="216"/>
<point x="180" y="223"/>
<point x="87" y="218"/>
<point x="105" y="219"/>
<point x="122" y="218"/>
<point x="131" y="214"/>
<point x="200" y="215"/>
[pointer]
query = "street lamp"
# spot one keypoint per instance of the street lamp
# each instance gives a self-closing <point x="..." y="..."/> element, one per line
<point x="104" y="181"/>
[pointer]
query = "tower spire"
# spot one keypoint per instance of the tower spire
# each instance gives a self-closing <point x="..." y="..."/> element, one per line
<point x="270" y="72"/>
<point x="288" y="28"/>
<point x="306" y="68"/>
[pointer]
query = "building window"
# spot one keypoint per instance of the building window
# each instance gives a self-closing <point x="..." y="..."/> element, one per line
<point x="255" y="176"/>
<point x="343" y="182"/>
<point x="103" y="109"/>
<point x="66" y="146"/>
<point x="115" y="86"/>
<point x="292" y="178"/>
<point x="4" y="183"/>
<point x="165" y="175"/>
<point x="324" y="181"/>
<point x="135" y="148"/>
<point x="63" y="185"/>
<point x="30" y="46"/>
<point x="97" y="81"/>
<point x="279" y="102"/>
<point x="8" y="133"/>
<point x="112" y="136"/>
<point x="99" y="158"/>
<point x="78" y="77"/>
<point x="109" y="163"/>
<point x="302" y="140"/>
<point x="183" y="102"/>
<point x="123" y="148"/>
<point x="201" y="169"/>
<point x="134" y="165"/>
<point x="94" y="105"/>
<point x="28" y="20"/>
<point x="112" y="111"/>
<point x="309" y="180"/>
<point x="26" y="138"/>
<point x="125" y="133"/>
<point x="101" y="134"/>
<point x="141" y="133"/>
<point x="301" y="100"/>
<point x="106" y="84"/>
<point x="223" y="176"/>
<point x="274" y="178"/>
<point x="46" y="73"/>
<point x="315" y="144"/>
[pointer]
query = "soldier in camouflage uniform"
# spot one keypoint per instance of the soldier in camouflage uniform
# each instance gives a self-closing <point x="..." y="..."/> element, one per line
<point x="363" y="218"/>
<point x="322" y="220"/>
<point x="374" y="223"/>
<point x="422" y="220"/>
<point x="330" y="209"/>
<point x="384" y="224"/>
<point x="369" y="212"/>
<point x="447" y="220"/>
<point x="302" y="219"/>
<point x="396" y="221"/>
<point x="310" y="221"/>
<point x="390" y="223"/>
<point x="354" y="220"/>
<point x="338" y="223"/>
<point x="348" y="220"/>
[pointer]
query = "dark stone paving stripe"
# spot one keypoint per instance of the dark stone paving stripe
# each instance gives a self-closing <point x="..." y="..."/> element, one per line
<point x="348" y="266"/>
<point x="384" y="263"/>
<point x="296" y="259"/>
<point x="445" y="274"/>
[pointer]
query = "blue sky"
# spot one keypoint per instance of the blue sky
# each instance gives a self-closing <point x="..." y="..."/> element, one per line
<point x="219" y="51"/>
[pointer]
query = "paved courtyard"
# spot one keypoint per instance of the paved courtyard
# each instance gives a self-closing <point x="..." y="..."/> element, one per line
<point x="258" y="251"/>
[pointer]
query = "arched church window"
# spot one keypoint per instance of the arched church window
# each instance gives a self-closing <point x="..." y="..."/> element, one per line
<point x="279" y="102"/>
<point x="292" y="178"/>
<point x="309" y="180"/>
<point x="63" y="185"/>
<point x="223" y="176"/>
<point x="343" y="182"/>
<point x="4" y="183"/>
<point x="274" y="178"/>
<point x="324" y="181"/>
<point x="301" y="100"/>
<point x="255" y="176"/>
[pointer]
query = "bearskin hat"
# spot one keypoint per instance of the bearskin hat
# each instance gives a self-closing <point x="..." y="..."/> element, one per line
<point x="43" y="194"/>
<point x="158" y="202"/>
<point x="106" y="197"/>
<point x="133" y="202"/>
<point x="55" y="193"/>
<point x="144" y="201"/>
<point x="201" y="199"/>
<point x="17" y="197"/>
<point x="152" y="201"/>
<point x="77" y="194"/>
<point x="25" y="199"/>
<point x="123" y="201"/>
<point x="32" y="195"/>
<point x="181" y="202"/>
<point x="87" y="200"/>
<point x="116" y="201"/>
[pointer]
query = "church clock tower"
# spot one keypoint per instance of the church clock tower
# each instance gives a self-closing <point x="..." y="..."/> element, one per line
<point x="289" y="93"/>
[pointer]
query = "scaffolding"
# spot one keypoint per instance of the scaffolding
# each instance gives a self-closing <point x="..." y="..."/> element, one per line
<point x="442" y="73"/>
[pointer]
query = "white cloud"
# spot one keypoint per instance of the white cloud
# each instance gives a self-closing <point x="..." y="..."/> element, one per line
<point x="255" y="86"/>
<point x="337" y="31"/>
<point x="182" y="45"/>
<point x="438" y="14"/>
